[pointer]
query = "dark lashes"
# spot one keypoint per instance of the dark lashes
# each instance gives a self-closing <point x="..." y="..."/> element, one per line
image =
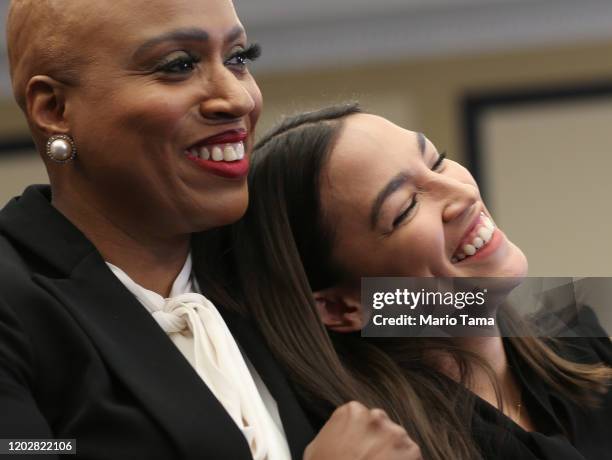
<point x="252" y="52"/>
<point x="439" y="161"/>
<point x="403" y="215"/>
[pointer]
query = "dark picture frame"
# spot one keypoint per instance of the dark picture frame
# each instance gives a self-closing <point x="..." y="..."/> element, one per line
<point x="475" y="106"/>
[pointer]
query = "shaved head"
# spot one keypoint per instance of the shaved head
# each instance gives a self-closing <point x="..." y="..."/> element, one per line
<point x="40" y="40"/>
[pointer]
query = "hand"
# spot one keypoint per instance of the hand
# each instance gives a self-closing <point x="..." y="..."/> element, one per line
<point x="355" y="432"/>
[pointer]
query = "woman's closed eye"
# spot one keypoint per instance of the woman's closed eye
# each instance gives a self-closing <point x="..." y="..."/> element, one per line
<point x="439" y="164"/>
<point x="406" y="212"/>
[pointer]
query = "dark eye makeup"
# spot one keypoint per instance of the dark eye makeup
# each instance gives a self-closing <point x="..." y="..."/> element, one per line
<point x="185" y="62"/>
<point x="182" y="63"/>
<point x="242" y="57"/>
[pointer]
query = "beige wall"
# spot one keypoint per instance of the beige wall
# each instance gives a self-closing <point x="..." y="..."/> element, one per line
<point x="12" y="121"/>
<point x="550" y="170"/>
<point x="18" y="171"/>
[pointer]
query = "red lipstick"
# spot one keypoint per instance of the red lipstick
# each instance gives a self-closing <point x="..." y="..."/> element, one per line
<point x="236" y="169"/>
<point x="228" y="169"/>
<point x="232" y="136"/>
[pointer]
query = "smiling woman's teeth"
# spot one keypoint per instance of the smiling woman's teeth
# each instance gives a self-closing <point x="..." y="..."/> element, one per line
<point x="482" y="235"/>
<point x="220" y="152"/>
<point x="217" y="153"/>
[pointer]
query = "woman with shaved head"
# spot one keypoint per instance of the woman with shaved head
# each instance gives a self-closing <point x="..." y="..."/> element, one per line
<point x="143" y="112"/>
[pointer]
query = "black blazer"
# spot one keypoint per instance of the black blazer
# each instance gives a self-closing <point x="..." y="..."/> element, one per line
<point x="566" y="430"/>
<point x="81" y="358"/>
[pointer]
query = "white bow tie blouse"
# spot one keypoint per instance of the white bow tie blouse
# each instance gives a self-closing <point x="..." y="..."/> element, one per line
<point x="195" y="326"/>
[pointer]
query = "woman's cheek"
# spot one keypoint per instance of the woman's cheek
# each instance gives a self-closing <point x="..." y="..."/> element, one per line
<point x="257" y="97"/>
<point x="157" y="118"/>
<point x="414" y="258"/>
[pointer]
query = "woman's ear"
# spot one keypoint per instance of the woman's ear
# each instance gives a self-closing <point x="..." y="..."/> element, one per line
<point x="340" y="310"/>
<point x="46" y="105"/>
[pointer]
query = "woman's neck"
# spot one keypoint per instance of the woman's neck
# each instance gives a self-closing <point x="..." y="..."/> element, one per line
<point x="491" y="351"/>
<point x="151" y="260"/>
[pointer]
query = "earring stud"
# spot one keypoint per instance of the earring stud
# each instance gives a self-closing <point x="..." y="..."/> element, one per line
<point x="61" y="148"/>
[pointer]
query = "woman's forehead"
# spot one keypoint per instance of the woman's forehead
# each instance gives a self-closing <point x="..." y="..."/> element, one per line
<point x="369" y="152"/>
<point x="141" y="18"/>
<point x="166" y="10"/>
<point x="368" y="141"/>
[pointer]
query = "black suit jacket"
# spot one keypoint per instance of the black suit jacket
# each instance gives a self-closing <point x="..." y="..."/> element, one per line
<point x="81" y="358"/>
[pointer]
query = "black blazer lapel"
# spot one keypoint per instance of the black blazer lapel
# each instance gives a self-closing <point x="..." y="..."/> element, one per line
<point x="144" y="358"/>
<point x="295" y="423"/>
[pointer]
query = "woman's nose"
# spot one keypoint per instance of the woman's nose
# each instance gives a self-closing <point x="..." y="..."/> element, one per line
<point x="457" y="197"/>
<point x="227" y="98"/>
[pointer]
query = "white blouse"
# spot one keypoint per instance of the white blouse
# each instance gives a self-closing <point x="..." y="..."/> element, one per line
<point x="197" y="329"/>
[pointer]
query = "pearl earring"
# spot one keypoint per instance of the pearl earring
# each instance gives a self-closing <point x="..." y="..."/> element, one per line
<point x="61" y="148"/>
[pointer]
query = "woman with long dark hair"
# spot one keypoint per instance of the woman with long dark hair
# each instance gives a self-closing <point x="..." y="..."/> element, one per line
<point x="338" y="194"/>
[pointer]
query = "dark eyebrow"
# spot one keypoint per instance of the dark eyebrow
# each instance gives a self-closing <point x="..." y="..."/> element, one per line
<point x="422" y="141"/>
<point x="188" y="34"/>
<point x="393" y="186"/>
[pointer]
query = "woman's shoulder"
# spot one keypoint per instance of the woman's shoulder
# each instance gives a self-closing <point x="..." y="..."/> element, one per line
<point x="9" y="253"/>
<point x="14" y="273"/>
<point x="14" y="267"/>
<point x="20" y="293"/>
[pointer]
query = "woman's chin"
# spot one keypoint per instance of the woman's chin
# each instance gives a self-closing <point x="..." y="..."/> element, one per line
<point x="515" y="265"/>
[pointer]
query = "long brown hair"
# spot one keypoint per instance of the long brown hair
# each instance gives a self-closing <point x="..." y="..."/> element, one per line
<point x="279" y="253"/>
